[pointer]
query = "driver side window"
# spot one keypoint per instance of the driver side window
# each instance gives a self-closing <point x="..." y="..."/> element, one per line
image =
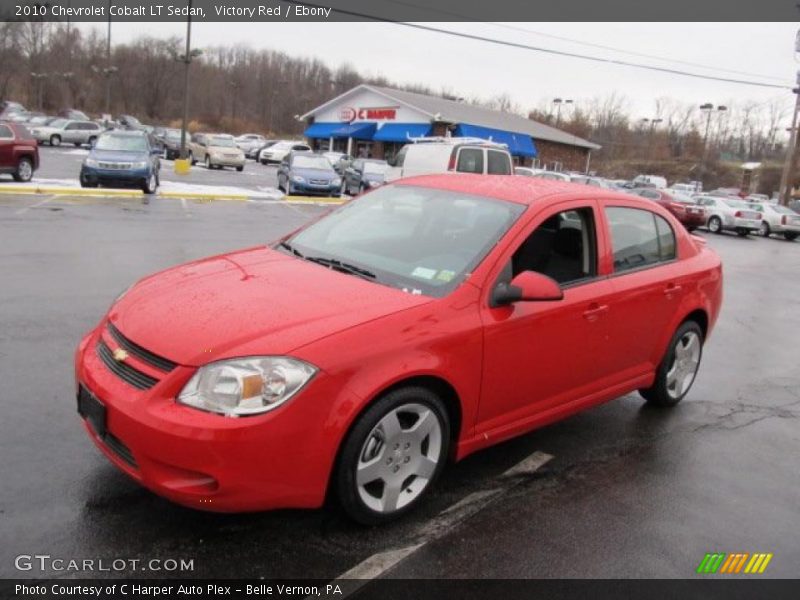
<point x="563" y="247"/>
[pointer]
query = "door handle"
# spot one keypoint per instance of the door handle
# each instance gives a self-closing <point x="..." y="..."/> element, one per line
<point x="672" y="289"/>
<point x="595" y="311"/>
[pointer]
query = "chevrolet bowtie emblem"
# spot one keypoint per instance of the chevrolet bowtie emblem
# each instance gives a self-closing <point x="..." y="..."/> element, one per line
<point x="120" y="355"/>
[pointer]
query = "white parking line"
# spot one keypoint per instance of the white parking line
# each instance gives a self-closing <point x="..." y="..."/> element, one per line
<point x="378" y="564"/>
<point x="22" y="211"/>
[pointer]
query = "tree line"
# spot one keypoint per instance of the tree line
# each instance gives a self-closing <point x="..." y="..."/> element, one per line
<point x="50" y="66"/>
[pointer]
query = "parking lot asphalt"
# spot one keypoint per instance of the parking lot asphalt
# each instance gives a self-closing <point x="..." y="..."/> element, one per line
<point x="630" y="491"/>
<point x="64" y="163"/>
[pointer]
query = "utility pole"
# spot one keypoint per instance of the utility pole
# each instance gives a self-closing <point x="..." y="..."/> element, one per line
<point x="187" y="60"/>
<point x="787" y="177"/>
<point x="108" y="62"/>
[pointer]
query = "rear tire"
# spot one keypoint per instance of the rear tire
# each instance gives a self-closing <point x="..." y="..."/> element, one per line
<point x="24" y="171"/>
<point x="678" y="370"/>
<point x="392" y="455"/>
<point x="765" y="230"/>
<point x="715" y="225"/>
<point x="742" y="232"/>
<point x="240" y="169"/>
<point x="790" y="236"/>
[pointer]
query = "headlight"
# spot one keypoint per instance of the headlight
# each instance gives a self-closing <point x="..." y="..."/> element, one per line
<point x="336" y="181"/>
<point x="298" y="179"/>
<point x="90" y="162"/>
<point x="142" y="164"/>
<point x="246" y="386"/>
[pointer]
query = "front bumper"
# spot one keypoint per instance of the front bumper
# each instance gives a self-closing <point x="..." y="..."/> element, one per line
<point x="316" y="189"/>
<point x="202" y="460"/>
<point x="114" y="177"/>
<point x="226" y="161"/>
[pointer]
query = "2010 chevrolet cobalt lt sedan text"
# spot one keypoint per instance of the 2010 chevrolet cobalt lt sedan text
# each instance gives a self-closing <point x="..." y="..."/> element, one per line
<point x="422" y="321"/>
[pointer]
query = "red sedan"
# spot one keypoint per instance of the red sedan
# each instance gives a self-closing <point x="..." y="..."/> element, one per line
<point x="685" y="209"/>
<point x="421" y="321"/>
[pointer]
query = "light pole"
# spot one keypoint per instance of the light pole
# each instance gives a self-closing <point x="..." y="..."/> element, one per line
<point x="709" y="109"/>
<point x="559" y="102"/>
<point x="274" y="93"/>
<point x="186" y="59"/>
<point x="108" y="68"/>
<point x="39" y="79"/>
<point x="653" y="122"/>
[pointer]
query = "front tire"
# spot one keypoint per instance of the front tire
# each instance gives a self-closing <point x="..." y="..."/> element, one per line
<point x="765" y="230"/>
<point x="24" y="171"/>
<point x="151" y="184"/>
<point x="678" y="369"/>
<point x="208" y="162"/>
<point x="55" y="140"/>
<point x="392" y="456"/>
<point x="191" y="159"/>
<point x="240" y="169"/>
<point x="715" y="225"/>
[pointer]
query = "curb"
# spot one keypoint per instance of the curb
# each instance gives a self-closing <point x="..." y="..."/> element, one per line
<point x="66" y="191"/>
<point x="313" y="199"/>
<point x="203" y="196"/>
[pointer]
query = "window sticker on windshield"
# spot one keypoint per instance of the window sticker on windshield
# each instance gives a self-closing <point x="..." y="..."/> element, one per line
<point x="424" y="273"/>
<point x="445" y="275"/>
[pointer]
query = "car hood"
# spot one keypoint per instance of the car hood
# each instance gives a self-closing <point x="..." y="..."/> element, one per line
<point x="118" y="155"/>
<point x="252" y="302"/>
<point x="314" y="173"/>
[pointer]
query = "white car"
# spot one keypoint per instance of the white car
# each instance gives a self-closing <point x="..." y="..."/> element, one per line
<point x="430" y="155"/>
<point x="653" y="180"/>
<point x="277" y="152"/>
<point x="249" y="141"/>
<point x="66" y="131"/>
<point x="541" y="174"/>
<point x="729" y="214"/>
<point x="779" y="219"/>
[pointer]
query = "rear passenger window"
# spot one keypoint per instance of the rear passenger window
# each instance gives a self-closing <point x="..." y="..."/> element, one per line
<point x="498" y="163"/>
<point x="639" y="238"/>
<point x="5" y="132"/>
<point x="470" y="160"/>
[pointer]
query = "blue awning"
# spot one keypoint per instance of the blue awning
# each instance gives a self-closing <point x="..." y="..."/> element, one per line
<point x="321" y="130"/>
<point x="359" y="131"/>
<point x="401" y="132"/>
<point x="519" y="144"/>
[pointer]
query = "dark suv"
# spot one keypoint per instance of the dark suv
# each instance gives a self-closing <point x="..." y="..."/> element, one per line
<point x="19" y="151"/>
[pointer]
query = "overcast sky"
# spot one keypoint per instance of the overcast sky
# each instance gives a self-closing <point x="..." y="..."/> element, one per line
<point x="473" y="68"/>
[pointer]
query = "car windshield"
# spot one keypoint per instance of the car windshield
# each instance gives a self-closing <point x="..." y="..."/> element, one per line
<point x="124" y="143"/>
<point x="421" y="240"/>
<point x="311" y="162"/>
<point x="58" y="123"/>
<point x="173" y="134"/>
<point x="376" y="168"/>
<point x="222" y="142"/>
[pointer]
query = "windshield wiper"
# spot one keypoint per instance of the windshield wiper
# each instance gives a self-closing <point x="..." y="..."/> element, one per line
<point x="338" y="265"/>
<point x="290" y="248"/>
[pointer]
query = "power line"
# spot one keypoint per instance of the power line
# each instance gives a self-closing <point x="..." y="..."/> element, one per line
<point x="588" y="44"/>
<point x="520" y="46"/>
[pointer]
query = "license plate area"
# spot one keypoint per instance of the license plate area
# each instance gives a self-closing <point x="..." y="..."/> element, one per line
<point x="93" y="411"/>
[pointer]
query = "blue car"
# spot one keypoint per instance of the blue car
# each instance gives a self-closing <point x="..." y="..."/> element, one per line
<point x="123" y="159"/>
<point x="307" y="173"/>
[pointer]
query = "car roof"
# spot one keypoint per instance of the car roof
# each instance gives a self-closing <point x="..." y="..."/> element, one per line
<point x="512" y="188"/>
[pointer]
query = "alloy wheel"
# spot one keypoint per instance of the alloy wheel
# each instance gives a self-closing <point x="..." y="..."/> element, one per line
<point x="25" y="170"/>
<point x="399" y="458"/>
<point x="685" y="361"/>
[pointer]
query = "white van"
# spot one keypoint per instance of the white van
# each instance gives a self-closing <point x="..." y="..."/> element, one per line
<point x="650" y="180"/>
<point x="426" y="156"/>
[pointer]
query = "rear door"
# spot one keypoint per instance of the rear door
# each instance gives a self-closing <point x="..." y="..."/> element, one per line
<point x="648" y="286"/>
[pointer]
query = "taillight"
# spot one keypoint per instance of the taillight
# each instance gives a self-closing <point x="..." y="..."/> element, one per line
<point x="737" y="214"/>
<point x="783" y="220"/>
<point x="758" y="216"/>
<point x="451" y="166"/>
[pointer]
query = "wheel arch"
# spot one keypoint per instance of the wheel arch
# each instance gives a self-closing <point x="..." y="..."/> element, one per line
<point x="436" y="384"/>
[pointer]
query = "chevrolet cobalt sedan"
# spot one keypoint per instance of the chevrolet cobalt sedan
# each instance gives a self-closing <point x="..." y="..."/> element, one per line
<point x="416" y="324"/>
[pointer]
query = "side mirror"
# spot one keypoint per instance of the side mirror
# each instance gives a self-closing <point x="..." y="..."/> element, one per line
<point x="528" y="286"/>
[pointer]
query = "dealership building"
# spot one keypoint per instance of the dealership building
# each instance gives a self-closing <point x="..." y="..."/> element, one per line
<point x="376" y="121"/>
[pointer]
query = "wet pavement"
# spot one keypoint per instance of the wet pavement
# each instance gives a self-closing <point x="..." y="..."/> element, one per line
<point x="631" y="491"/>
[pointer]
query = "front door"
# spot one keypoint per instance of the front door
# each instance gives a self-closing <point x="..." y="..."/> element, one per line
<point x="539" y="356"/>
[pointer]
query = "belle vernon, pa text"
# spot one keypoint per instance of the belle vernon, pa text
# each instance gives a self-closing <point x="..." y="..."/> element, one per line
<point x="212" y="589"/>
<point x="168" y="10"/>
